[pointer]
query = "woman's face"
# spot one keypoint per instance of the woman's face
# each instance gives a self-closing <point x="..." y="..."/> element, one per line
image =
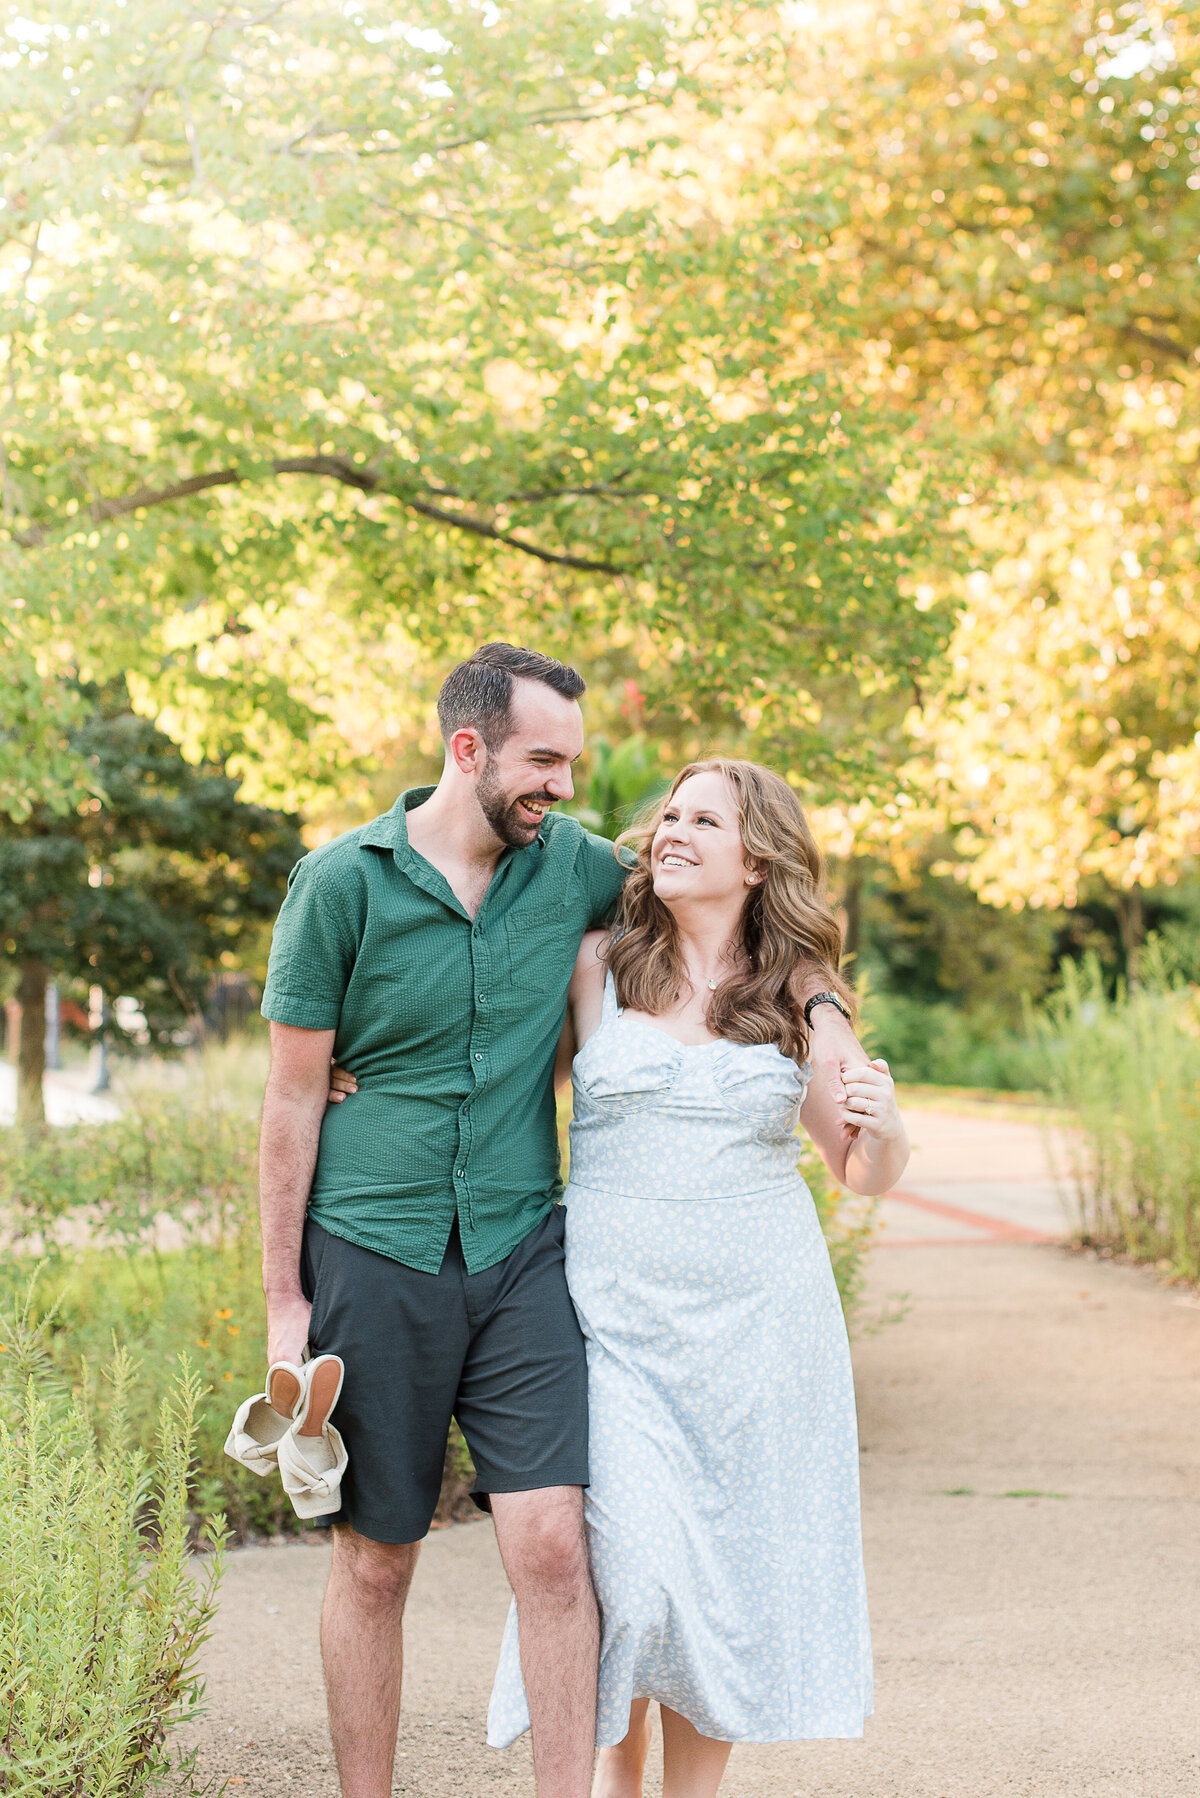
<point x="697" y="853"/>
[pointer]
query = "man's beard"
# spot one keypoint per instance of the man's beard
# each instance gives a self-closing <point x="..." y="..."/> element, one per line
<point x="501" y="812"/>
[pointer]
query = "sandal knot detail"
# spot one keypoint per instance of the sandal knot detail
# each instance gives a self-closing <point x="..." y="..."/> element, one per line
<point x="311" y="1454"/>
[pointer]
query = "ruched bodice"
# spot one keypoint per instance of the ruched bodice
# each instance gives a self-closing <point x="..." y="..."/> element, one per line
<point x="681" y="1120"/>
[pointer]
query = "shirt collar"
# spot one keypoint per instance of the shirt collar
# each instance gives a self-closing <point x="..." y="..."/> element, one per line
<point x="391" y="830"/>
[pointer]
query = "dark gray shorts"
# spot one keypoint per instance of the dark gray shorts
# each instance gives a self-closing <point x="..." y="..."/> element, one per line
<point x="499" y="1350"/>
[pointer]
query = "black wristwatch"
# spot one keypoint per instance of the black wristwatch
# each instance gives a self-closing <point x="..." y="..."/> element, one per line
<point x="825" y="999"/>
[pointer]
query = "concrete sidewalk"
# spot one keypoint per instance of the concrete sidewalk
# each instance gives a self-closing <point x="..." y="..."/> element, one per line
<point x="1031" y="1501"/>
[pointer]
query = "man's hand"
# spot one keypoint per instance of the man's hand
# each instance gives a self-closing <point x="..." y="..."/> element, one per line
<point x="287" y="1328"/>
<point x="833" y="1049"/>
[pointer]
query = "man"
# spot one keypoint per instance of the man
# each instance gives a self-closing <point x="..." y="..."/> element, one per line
<point x="415" y="1232"/>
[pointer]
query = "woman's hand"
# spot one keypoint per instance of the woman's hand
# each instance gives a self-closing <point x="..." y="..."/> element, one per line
<point x="878" y="1152"/>
<point x="341" y="1084"/>
<point x="870" y="1102"/>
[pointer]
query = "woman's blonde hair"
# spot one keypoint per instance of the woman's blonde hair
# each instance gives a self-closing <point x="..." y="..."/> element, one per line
<point x="788" y="931"/>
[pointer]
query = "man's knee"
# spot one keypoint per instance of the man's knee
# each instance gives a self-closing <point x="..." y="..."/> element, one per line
<point x="543" y="1542"/>
<point x="376" y="1574"/>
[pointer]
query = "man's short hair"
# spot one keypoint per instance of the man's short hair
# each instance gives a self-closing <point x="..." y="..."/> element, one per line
<point x="477" y="695"/>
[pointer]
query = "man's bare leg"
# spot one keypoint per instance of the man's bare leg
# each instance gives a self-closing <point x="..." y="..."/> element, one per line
<point x="545" y="1556"/>
<point x="362" y="1648"/>
<point x="620" y="1770"/>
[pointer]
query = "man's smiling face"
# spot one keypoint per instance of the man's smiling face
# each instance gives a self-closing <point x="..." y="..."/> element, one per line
<point x="531" y="770"/>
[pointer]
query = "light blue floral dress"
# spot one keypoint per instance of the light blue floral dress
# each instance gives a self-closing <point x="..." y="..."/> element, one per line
<point x="722" y="1515"/>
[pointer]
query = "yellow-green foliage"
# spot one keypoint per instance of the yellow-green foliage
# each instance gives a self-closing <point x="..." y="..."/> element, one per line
<point x="177" y="1169"/>
<point x="1128" y="1071"/>
<point x="847" y="1226"/>
<point x="205" y="1302"/>
<point x="101" y="1612"/>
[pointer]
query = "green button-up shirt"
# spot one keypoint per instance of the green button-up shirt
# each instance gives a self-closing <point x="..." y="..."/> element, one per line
<point x="449" y="1024"/>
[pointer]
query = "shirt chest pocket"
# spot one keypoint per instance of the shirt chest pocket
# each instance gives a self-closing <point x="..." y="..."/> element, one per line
<point x="541" y="947"/>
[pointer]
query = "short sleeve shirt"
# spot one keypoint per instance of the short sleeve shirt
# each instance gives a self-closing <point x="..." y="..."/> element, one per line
<point x="449" y="1024"/>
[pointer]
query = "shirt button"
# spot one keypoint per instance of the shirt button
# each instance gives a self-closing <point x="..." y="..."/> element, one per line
<point x="481" y="998"/>
<point x="458" y="1174"/>
<point x="479" y="1058"/>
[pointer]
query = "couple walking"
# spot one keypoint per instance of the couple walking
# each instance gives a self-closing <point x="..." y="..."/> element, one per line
<point x="662" y="1424"/>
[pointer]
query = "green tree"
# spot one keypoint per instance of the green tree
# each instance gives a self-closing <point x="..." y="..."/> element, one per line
<point x="311" y="314"/>
<point x="144" y="889"/>
<point x="1012" y="205"/>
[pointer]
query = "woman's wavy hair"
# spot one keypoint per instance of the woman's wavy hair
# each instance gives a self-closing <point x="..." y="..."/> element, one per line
<point x="788" y="931"/>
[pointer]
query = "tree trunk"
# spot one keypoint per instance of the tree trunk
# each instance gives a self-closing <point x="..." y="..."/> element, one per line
<point x="1131" y="922"/>
<point x="53" y="1027"/>
<point x="31" y="1052"/>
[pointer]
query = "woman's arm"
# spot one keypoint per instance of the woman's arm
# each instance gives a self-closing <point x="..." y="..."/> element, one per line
<point x="862" y="1141"/>
<point x="585" y="1003"/>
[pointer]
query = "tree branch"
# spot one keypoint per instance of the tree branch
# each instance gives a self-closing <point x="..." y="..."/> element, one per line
<point x="336" y="468"/>
<point x="1166" y="346"/>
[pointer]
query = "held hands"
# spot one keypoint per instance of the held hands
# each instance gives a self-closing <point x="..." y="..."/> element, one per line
<point x="869" y="1107"/>
<point x="341" y="1084"/>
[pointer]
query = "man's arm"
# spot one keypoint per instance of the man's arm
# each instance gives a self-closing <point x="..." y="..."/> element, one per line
<point x="293" y="1106"/>
<point x="833" y="1048"/>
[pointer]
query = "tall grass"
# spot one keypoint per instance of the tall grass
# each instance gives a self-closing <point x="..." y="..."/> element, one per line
<point x="1127" y="1068"/>
<point x="147" y="1232"/>
<point x="101" y="1612"/>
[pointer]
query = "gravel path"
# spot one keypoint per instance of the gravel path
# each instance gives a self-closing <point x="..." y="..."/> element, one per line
<point x="1030" y="1424"/>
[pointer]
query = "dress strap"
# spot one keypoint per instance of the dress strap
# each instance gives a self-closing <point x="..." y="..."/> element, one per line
<point x="611" y="1008"/>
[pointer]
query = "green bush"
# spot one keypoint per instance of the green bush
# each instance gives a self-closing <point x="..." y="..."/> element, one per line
<point x="148" y="1231"/>
<point x="847" y="1223"/>
<point x="940" y="1044"/>
<point x="1127" y="1068"/>
<point x="176" y="1167"/>
<point x="101" y="1614"/>
<point x="205" y="1302"/>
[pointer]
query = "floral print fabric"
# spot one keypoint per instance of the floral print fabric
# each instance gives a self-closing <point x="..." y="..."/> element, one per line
<point x="723" y="1511"/>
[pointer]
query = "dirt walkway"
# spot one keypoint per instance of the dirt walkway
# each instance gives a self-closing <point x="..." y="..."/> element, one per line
<point x="1031" y="1478"/>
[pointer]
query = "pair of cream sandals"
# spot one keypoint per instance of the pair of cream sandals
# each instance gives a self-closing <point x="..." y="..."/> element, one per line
<point x="287" y="1426"/>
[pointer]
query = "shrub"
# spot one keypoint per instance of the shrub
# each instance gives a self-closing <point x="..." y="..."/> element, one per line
<point x="149" y="1233"/>
<point x="205" y="1302"/>
<point x="943" y="1045"/>
<point x="1128" y="1070"/>
<point x="847" y="1222"/>
<point x="101" y="1617"/>
<point x="176" y="1167"/>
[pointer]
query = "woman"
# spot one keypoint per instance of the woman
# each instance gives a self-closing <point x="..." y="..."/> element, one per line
<point x="722" y="1513"/>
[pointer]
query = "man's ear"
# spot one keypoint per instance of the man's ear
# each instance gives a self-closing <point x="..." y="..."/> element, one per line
<point x="467" y="750"/>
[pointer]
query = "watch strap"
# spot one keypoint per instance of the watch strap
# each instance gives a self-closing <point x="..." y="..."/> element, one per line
<point x="824" y="999"/>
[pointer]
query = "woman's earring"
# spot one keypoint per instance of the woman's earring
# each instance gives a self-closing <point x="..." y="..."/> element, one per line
<point x="752" y="880"/>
